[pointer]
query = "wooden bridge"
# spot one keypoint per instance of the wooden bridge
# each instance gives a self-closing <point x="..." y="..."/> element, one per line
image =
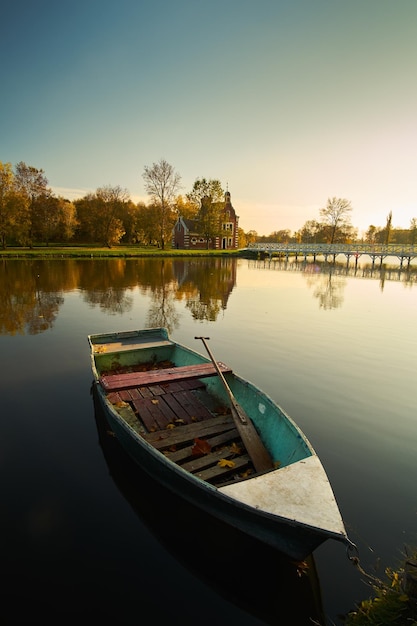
<point x="404" y="253"/>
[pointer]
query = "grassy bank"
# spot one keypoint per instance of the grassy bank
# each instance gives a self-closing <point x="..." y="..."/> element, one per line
<point x="59" y="252"/>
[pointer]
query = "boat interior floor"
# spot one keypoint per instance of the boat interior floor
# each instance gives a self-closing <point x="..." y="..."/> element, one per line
<point x="183" y="421"/>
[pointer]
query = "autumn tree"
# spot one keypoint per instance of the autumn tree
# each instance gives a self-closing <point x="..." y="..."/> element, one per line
<point x="336" y="217"/>
<point x="56" y="219"/>
<point x="310" y="232"/>
<point x="33" y="185"/>
<point x="66" y="219"/>
<point x="207" y="196"/>
<point x="6" y="195"/>
<point x="388" y="227"/>
<point x="162" y="183"/>
<point x="186" y="208"/>
<point x="371" y="234"/>
<point x="147" y="225"/>
<point x="204" y="188"/>
<point x="110" y="203"/>
<point x="247" y="238"/>
<point x="413" y="231"/>
<point x="280" y="236"/>
<point x="100" y="215"/>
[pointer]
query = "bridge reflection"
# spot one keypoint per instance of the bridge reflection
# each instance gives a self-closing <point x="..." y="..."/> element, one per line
<point x="407" y="275"/>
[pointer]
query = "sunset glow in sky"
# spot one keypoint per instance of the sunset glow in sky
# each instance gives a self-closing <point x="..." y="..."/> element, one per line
<point x="287" y="103"/>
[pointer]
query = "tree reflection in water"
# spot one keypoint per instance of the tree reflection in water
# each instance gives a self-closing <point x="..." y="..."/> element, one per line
<point x="32" y="291"/>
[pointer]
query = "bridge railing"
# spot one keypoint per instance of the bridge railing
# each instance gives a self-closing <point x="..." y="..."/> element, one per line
<point x="337" y="248"/>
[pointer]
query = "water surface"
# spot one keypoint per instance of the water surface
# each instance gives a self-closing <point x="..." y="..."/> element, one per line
<point x="334" y="347"/>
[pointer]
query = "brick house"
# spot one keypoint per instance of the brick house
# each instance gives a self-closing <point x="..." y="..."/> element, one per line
<point x="186" y="236"/>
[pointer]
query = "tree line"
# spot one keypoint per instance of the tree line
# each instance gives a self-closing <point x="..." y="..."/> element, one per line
<point x="30" y="213"/>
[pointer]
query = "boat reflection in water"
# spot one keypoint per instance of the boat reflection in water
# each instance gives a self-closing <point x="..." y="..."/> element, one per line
<point x="246" y="573"/>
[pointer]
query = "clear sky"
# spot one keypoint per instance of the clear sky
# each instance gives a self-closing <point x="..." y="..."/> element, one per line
<point x="286" y="102"/>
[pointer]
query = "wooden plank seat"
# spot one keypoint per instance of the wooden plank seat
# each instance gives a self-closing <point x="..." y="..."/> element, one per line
<point x="116" y="382"/>
<point x="185" y="435"/>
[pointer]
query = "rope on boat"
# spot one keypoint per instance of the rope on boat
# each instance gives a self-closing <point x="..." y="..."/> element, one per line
<point x="354" y="558"/>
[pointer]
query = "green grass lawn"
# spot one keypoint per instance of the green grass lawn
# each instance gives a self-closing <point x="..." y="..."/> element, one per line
<point x="128" y="251"/>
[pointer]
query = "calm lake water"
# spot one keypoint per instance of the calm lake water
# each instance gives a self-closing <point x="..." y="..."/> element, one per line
<point x="84" y="534"/>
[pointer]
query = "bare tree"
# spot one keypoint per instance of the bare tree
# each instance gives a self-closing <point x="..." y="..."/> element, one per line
<point x="336" y="216"/>
<point x="162" y="183"/>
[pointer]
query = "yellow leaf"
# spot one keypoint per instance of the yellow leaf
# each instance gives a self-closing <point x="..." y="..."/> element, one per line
<point x="121" y="404"/>
<point x="155" y="401"/>
<point x="235" y="449"/>
<point x="226" y="463"/>
<point x="169" y="426"/>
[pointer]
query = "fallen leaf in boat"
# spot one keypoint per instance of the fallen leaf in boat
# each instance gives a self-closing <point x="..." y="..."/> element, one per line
<point x="170" y="426"/>
<point x="100" y="349"/>
<point x="194" y="419"/>
<point x="155" y="401"/>
<point x="302" y="568"/>
<point x="226" y="463"/>
<point x="246" y="474"/>
<point x="200" y="447"/>
<point x="235" y="449"/>
<point x="178" y="420"/>
<point x="121" y="404"/>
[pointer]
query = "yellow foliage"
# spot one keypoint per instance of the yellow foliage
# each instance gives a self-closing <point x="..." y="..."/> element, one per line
<point x="226" y="463"/>
<point x="235" y="449"/>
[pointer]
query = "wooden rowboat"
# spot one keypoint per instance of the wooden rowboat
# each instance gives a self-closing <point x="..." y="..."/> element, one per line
<point x="215" y="440"/>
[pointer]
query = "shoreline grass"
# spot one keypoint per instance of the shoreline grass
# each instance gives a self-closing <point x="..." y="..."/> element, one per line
<point x="132" y="251"/>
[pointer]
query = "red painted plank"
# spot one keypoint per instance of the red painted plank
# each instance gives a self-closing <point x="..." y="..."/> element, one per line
<point x="114" y="382"/>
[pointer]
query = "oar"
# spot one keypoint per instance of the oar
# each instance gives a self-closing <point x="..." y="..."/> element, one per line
<point x="253" y="444"/>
